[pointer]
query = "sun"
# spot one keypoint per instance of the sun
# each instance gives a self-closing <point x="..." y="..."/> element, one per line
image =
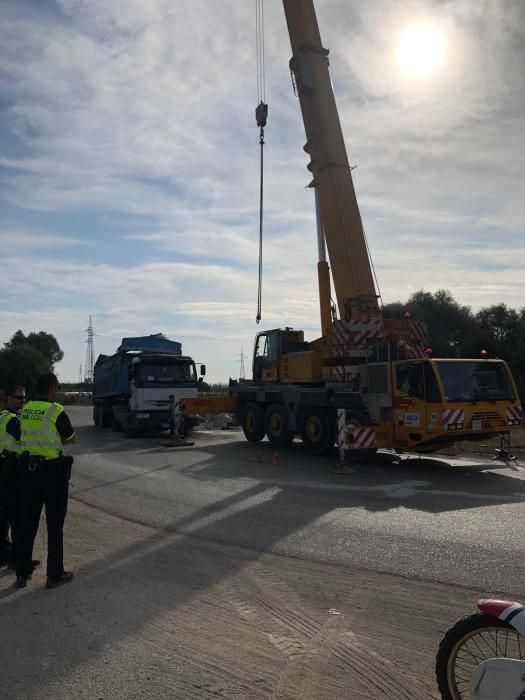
<point x="420" y="51"/>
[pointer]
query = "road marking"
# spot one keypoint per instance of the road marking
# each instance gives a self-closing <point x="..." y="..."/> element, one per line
<point x="400" y="489"/>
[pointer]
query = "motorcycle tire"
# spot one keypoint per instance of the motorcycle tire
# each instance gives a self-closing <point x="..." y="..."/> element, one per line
<point x="471" y="640"/>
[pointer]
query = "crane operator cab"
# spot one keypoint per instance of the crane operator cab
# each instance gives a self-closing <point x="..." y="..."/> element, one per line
<point x="282" y="355"/>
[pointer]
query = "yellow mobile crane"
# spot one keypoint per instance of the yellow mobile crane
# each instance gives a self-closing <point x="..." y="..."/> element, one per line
<point x="374" y="370"/>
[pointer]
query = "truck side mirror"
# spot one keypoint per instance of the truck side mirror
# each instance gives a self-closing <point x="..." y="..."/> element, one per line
<point x="203" y="370"/>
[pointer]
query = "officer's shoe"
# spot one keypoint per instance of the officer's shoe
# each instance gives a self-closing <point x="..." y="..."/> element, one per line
<point x="21" y="581"/>
<point x="55" y="581"/>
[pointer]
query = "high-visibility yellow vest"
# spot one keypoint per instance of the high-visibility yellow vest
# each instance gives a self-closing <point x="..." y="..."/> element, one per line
<point x="39" y="435"/>
<point x="7" y="441"/>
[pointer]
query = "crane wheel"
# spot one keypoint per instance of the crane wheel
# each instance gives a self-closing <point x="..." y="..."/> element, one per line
<point x="317" y="428"/>
<point x="252" y="421"/>
<point x="276" y="422"/>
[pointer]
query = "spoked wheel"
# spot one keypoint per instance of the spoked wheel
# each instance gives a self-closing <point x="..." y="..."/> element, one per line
<point x="470" y="641"/>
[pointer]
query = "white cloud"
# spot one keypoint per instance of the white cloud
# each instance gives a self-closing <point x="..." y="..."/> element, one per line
<point x="142" y="114"/>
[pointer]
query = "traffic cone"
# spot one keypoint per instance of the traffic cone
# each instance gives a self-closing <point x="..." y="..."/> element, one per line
<point x="276" y="458"/>
<point x="260" y="457"/>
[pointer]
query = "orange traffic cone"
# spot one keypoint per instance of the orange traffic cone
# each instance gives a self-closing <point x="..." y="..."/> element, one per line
<point x="260" y="457"/>
<point x="276" y="458"/>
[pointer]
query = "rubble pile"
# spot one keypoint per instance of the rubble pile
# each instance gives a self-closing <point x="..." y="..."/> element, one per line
<point x="219" y="421"/>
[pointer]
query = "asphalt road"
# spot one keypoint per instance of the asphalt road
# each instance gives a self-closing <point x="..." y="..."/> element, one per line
<point x="422" y="519"/>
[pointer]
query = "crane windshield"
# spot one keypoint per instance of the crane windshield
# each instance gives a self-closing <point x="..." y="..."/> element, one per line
<point x="475" y="381"/>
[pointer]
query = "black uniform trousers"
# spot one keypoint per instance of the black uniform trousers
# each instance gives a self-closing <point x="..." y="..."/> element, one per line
<point x="9" y="508"/>
<point x="5" y="544"/>
<point x="46" y="486"/>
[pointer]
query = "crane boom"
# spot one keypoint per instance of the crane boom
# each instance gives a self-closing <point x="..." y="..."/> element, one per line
<point x="355" y="290"/>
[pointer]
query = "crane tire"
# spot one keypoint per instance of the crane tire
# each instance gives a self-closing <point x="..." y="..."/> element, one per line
<point x="277" y="426"/>
<point x="317" y="429"/>
<point x="252" y="422"/>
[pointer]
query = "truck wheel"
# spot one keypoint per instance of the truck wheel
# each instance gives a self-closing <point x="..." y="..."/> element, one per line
<point x="126" y="427"/>
<point x="276" y="423"/>
<point x="252" y="422"/>
<point x="115" y="425"/>
<point x="317" y="428"/>
<point x="359" y="419"/>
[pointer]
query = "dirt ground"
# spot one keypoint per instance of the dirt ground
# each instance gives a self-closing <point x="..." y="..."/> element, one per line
<point x="151" y="614"/>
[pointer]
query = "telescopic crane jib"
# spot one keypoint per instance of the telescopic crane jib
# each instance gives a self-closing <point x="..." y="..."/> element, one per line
<point x="371" y="377"/>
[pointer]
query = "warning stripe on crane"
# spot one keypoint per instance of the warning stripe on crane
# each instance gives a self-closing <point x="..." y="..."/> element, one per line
<point x="415" y="352"/>
<point x="453" y="416"/>
<point x="344" y="374"/>
<point x="341" y="428"/>
<point x="363" y="437"/>
<point x="358" y="331"/>
<point x="514" y="413"/>
<point x="340" y="332"/>
<point x="366" y="330"/>
<point x="420" y="331"/>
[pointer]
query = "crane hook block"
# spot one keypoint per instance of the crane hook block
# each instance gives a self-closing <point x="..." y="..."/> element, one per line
<point x="261" y="113"/>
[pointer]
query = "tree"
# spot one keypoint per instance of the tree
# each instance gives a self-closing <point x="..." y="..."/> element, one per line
<point x="504" y="336"/>
<point x="450" y="325"/>
<point x="501" y="324"/>
<point x="21" y="365"/>
<point x="45" y="343"/>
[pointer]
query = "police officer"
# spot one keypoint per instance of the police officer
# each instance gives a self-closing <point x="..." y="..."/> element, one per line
<point x="14" y="399"/>
<point x="44" y="476"/>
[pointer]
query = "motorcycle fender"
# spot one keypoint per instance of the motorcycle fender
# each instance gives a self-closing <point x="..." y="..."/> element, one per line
<point x="498" y="679"/>
<point x="505" y="610"/>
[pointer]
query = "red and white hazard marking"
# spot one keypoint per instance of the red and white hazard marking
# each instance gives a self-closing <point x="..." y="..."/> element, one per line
<point x="419" y="331"/>
<point x="514" y="413"/>
<point x="363" y="437"/>
<point x="340" y="331"/>
<point x="372" y="329"/>
<point x="453" y="416"/>
<point x="344" y="374"/>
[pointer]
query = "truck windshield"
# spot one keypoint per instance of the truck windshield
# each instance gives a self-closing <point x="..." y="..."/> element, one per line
<point x="475" y="381"/>
<point x="168" y="373"/>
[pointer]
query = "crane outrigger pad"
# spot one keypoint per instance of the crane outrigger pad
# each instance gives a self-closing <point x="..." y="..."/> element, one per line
<point x="177" y="442"/>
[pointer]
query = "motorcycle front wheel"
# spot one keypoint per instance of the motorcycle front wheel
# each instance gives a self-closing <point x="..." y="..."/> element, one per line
<point x="466" y="644"/>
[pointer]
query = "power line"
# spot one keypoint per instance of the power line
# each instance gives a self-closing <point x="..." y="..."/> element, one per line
<point x="89" y="365"/>
<point x="241" y="371"/>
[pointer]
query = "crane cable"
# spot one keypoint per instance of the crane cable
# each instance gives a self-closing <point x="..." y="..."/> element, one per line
<point x="261" y="114"/>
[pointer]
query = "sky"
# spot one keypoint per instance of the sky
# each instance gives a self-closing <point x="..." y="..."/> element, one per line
<point x="129" y="166"/>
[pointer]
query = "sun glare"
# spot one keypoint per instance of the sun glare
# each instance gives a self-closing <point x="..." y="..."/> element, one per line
<point x="420" y="51"/>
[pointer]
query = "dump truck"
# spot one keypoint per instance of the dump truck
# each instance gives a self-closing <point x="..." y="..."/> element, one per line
<point x="132" y="387"/>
